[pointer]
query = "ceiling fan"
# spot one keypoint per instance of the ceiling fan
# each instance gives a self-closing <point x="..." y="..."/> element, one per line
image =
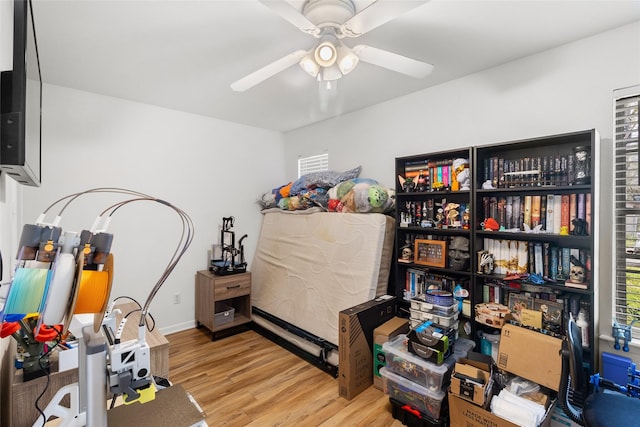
<point x="331" y="21"/>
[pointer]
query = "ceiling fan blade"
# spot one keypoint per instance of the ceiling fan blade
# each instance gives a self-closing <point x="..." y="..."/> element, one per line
<point x="267" y="71"/>
<point x="293" y="15"/>
<point x="392" y="61"/>
<point x="376" y="14"/>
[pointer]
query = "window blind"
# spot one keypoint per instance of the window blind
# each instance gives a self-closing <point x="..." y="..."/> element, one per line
<point x="310" y="164"/>
<point x="626" y="298"/>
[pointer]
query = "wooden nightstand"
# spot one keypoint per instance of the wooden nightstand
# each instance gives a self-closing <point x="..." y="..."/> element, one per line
<point x="226" y="292"/>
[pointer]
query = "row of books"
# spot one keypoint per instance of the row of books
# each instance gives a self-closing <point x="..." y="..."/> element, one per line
<point x="530" y="171"/>
<point x="432" y="175"/>
<point x="541" y="258"/>
<point x="555" y="213"/>
<point x="418" y="281"/>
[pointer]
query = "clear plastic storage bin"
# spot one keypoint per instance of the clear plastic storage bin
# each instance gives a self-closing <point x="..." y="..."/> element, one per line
<point x="412" y="367"/>
<point x="426" y="401"/>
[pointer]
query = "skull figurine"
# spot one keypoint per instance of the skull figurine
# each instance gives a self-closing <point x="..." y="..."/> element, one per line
<point x="577" y="274"/>
<point x="407" y="254"/>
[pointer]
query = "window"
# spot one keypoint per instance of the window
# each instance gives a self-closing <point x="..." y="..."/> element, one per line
<point x="626" y="298"/>
<point x="310" y="164"/>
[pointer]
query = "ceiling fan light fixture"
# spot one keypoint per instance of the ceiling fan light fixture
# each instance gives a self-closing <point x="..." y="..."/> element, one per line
<point x="326" y="54"/>
<point x="309" y="65"/>
<point x="347" y="60"/>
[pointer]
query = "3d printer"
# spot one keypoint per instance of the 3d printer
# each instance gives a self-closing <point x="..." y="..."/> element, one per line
<point x="230" y="260"/>
<point x="60" y="274"/>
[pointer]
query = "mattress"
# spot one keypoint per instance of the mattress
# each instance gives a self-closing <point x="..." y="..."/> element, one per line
<point x="309" y="265"/>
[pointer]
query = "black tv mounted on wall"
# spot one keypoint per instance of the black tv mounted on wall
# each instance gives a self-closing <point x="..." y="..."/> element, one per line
<point x="21" y="103"/>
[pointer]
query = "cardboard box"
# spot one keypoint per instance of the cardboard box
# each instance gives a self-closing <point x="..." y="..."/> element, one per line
<point x="522" y="350"/>
<point x="382" y="334"/>
<point x="471" y="378"/>
<point x="355" y="346"/>
<point x="463" y="413"/>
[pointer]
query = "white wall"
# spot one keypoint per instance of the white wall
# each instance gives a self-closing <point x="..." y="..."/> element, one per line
<point x="561" y="90"/>
<point x="566" y="89"/>
<point x="207" y="167"/>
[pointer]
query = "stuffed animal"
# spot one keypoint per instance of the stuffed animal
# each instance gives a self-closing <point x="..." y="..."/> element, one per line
<point x="360" y="195"/>
<point x="282" y="191"/>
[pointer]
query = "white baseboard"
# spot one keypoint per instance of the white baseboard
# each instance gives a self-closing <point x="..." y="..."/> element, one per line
<point x="178" y="327"/>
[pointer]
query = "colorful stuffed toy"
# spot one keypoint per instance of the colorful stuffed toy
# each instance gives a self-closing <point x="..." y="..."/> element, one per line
<point x="360" y="195"/>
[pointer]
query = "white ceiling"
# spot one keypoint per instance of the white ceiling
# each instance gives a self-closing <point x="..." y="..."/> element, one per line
<point x="184" y="54"/>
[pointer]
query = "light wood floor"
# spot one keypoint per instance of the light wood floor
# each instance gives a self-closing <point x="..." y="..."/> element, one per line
<point x="247" y="380"/>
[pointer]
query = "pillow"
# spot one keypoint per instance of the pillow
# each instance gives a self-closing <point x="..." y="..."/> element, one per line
<point x="324" y="179"/>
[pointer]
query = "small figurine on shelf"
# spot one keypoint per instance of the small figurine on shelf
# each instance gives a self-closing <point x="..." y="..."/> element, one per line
<point x="439" y="218"/>
<point x="490" y="224"/>
<point x="466" y="218"/>
<point x="459" y="253"/>
<point x="423" y="182"/>
<point x="579" y="227"/>
<point x="488" y="185"/>
<point x="452" y="214"/>
<point x="577" y="274"/>
<point x="461" y="174"/>
<point x="408" y="184"/>
<point x="406" y="255"/>
<point x="485" y="262"/>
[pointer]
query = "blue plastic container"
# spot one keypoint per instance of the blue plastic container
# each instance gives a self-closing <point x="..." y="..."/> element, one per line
<point x="615" y="368"/>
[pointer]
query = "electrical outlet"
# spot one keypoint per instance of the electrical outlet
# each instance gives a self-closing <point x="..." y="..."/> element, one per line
<point x="177" y="298"/>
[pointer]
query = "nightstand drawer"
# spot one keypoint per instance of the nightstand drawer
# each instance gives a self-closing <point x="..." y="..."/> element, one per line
<point x="230" y="287"/>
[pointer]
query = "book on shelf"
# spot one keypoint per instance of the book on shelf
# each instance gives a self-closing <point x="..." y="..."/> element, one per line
<point x="587" y="203"/>
<point x="550" y="221"/>
<point x="502" y="214"/>
<point x="517" y="210"/>
<point x="527" y="210"/>
<point x="543" y="211"/>
<point x="538" y="259"/>
<point x="570" y="284"/>
<point x="581" y="212"/>
<point x="492" y="293"/>
<point x="557" y="213"/>
<point x="508" y="212"/>
<point x="415" y="282"/>
<point x="553" y="262"/>
<point x="564" y="266"/>
<point x="535" y="210"/>
<point x="564" y="214"/>
<point x="523" y="250"/>
<point x="573" y="211"/>
<point x="493" y="208"/>
<point x="546" y="258"/>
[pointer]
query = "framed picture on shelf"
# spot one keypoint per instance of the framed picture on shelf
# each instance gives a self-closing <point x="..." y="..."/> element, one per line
<point x="517" y="302"/>
<point x="551" y="312"/>
<point x="430" y="252"/>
